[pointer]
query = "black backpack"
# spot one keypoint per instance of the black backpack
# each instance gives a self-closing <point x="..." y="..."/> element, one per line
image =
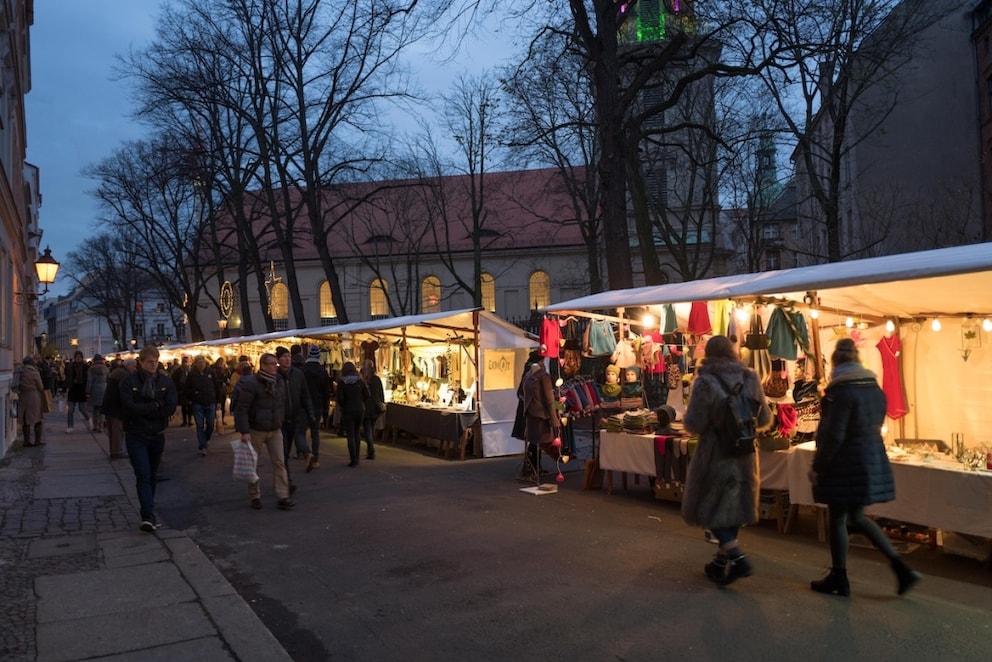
<point x="735" y="419"/>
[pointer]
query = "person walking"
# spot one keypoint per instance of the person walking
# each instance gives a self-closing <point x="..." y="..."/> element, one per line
<point x="222" y="374"/>
<point x="75" y="386"/>
<point x="851" y="469"/>
<point x="148" y="400"/>
<point x="721" y="489"/>
<point x="30" y="400"/>
<point x="351" y="395"/>
<point x="113" y="409"/>
<point x="541" y="420"/>
<point x="375" y="405"/>
<point x="202" y="391"/>
<point x="96" y="387"/>
<point x="259" y="410"/>
<point x="179" y="376"/>
<point x="299" y="411"/>
<point x="319" y="385"/>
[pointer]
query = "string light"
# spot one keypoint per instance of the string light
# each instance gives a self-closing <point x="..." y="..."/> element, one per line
<point x="987" y="325"/>
<point x="814" y="313"/>
<point x="647" y="321"/>
<point x="890" y="326"/>
<point x="935" y="325"/>
<point x="849" y="322"/>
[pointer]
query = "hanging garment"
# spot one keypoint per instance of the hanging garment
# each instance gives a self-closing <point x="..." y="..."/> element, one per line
<point x="895" y="400"/>
<point x="550" y="337"/>
<point x="671" y="324"/>
<point x="624" y="355"/>
<point x="699" y="319"/>
<point x="721" y="317"/>
<point x="600" y="340"/>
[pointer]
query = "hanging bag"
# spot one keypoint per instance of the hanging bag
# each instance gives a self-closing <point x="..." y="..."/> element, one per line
<point x="777" y="383"/>
<point x="673" y="374"/>
<point x="756" y="336"/>
<point x="245" y="461"/>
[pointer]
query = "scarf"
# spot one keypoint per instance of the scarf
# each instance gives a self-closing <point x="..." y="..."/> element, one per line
<point x="268" y="381"/>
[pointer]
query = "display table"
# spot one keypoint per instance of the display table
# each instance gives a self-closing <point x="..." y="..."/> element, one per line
<point x="451" y="427"/>
<point x="938" y="494"/>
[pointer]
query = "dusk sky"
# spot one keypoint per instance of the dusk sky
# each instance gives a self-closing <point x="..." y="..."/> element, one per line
<point x="77" y="114"/>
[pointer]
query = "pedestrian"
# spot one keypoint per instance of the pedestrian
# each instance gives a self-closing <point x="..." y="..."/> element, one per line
<point x="30" y="401"/>
<point x="851" y="469"/>
<point x="375" y="406"/>
<point x="179" y="376"/>
<point x="96" y="387"/>
<point x="319" y="385"/>
<point x="541" y="421"/>
<point x="45" y="370"/>
<point x="223" y="375"/>
<point x="75" y="385"/>
<point x="721" y="489"/>
<point x="201" y="390"/>
<point x="113" y="410"/>
<point x="148" y="400"/>
<point x="259" y="410"/>
<point x="299" y="411"/>
<point x="351" y="394"/>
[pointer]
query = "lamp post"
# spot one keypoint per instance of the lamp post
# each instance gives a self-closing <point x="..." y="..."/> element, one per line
<point x="222" y="325"/>
<point x="45" y="268"/>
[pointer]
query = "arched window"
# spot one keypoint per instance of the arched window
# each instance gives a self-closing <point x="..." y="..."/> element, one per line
<point x="328" y="315"/>
<point x="540" y="290"/>
<point x="488" y="292"/>
<point x="280" y="307"/>
<point x="430" y="295"/>
<point x="378" y="305"/>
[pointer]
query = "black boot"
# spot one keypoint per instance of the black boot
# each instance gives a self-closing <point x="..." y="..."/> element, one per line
<point x="907" y="576"/>
<point x="833" y="584"/>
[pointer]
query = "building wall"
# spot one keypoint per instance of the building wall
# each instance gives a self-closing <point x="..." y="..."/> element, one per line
<point x="982" y="41"/>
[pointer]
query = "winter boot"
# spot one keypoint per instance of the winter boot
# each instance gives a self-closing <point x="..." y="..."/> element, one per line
<point x="834" y="583"/>
<point x="907" y="576"/>
<point x="37" y="434"/>
<point x="26" y="433"/>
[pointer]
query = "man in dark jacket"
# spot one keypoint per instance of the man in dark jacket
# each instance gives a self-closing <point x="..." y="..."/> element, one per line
<point x="319" y="385"/>
<point x="112" y="407"/>
<point x="179" y="375"/>
<point x="148" y="400"/>
<point x="258" y="416"/>
<point x="351" y="396"/>
<point x="299" y="409"/>
<point x="201" y="391"/>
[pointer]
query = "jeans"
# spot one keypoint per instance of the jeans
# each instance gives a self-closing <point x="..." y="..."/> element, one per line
<point x="368" y="425"/>
<point x="71" y="408"/>
<point x="351" y="422"/>
<point x="204" y="415"/>
<point x="315" y="438"/>
<point x="844" y="517"/>
<point x="145" y="452"/>
<point x="725" y="534"/>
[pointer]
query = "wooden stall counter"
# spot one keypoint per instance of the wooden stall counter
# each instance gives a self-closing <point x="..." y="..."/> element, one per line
<point x="454" y="429"/>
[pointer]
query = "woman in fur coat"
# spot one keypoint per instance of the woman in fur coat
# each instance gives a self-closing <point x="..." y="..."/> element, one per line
<point x="31" y="397"/>
<point x="721" y="490"/>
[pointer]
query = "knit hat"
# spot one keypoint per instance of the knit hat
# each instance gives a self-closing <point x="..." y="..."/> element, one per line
<point x="613" y="369"/>
<point x="97" y="357"/>
<point x="280" y="351"/>
<point x="313" y="356"/>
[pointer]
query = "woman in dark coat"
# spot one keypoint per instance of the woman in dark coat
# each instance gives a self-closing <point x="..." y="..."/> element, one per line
<point x="542" y="423"/>
<point x="351" y="394"/>
<point x="375" y="405"/>
<point x="850" y="469"/>
<point x="31" y="400"/>
<point x="721" y="490"/>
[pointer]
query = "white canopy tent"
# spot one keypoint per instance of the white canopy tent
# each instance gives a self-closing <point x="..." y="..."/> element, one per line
<point x="498" y="350"/>
<point x="946" y="394"/>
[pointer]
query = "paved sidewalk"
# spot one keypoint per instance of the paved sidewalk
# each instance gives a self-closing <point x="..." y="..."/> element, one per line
<point x="79" y="580"/>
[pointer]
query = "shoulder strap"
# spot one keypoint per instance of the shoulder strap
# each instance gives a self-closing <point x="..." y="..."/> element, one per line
<point x="730" y="391"/>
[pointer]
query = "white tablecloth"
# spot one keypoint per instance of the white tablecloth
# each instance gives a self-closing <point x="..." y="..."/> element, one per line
<point x="939" y="495"/>
<point x="634" y="453"/>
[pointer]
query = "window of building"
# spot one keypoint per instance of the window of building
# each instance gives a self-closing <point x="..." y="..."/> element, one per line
<point x="771" y="231"/>
<point x="430" y="295"/>
<point x="540" y="290"/>
<point x="773" y="260"/>
<point x="488" y="292"/>
<point x="279" y="307"/>
<point x="378" y="302"/>
<point x="328" y="314"/>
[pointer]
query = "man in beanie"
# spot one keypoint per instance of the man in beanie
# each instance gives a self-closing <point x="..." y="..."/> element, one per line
<point x="319" y="385"/>
<point x="299" y="409"/>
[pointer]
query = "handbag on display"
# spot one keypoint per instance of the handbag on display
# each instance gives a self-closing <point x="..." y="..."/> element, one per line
<point x="776" y="385"/>
<point x="673" y="374"/>
<point x="756" y="336"/>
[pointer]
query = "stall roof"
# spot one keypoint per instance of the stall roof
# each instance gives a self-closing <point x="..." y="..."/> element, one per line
<point x="426" y="328"/>
<point x="945" y="282"/>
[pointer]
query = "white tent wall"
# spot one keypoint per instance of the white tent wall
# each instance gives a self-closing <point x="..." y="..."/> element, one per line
<point x="497" y="408"/>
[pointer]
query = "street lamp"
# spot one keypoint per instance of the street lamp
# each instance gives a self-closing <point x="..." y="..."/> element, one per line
<point x="222" y="325"/>
<point x="45" y="268"/>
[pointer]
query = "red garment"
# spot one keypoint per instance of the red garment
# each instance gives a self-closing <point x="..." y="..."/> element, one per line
<point x="895" y="401"/>
<point x="699" y="319"/>
<point x="658" y="347"/>
<point x="550" y="337"/>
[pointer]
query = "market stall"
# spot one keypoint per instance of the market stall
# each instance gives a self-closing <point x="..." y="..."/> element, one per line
<point x="444" y="373"/>
<point x="921" y="320"/>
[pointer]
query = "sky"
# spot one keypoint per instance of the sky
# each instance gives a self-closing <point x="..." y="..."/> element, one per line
<point x="77" y="114"/>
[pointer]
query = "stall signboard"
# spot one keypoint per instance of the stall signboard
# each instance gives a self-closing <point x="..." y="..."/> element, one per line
<point x="499" y="366"/>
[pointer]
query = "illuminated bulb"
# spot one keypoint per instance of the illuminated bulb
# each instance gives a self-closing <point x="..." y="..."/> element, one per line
<point x="741" y="314"/>
<point x="814" y="313"/>
<point x="890" y="326"/>
<point x="885" y="430"/>
<point x="987" y="325"/>
<point x="936" y="325"/>
<point x="648" y="321"/>
<point x="849" y="322"/>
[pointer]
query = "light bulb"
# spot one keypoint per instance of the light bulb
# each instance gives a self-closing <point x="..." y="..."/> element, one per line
<point x="987" y="325"/>
<point x="849" y="322"/>
<point x="647" y="321"/>
<point x="935" y="324"/>
<point x="890" y="326"/>
<point x="742" y="315"/>
<point x="814" y="313"/>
